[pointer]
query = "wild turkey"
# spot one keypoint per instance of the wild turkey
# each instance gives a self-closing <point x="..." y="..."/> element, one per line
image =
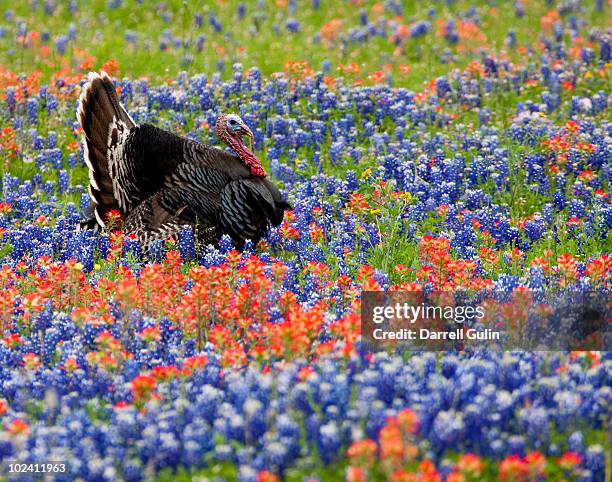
<point x="160" y="182"/>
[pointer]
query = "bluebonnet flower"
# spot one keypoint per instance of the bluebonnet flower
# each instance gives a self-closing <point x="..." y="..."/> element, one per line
<point x="292" y="25"/>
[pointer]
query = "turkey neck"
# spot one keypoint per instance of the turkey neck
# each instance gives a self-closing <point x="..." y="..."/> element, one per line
<point x="247" y="157"/>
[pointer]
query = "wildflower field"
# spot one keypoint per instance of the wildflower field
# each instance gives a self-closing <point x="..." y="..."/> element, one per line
<point x="443" y="145"/>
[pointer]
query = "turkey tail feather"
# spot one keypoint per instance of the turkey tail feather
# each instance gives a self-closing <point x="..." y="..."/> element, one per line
<point x="105" y="123"/>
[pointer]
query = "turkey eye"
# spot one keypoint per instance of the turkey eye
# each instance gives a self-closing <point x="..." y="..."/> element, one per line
<point x="233" y="122"/>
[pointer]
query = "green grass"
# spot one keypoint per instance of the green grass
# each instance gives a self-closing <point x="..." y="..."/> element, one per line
<point x="101" y="34"/>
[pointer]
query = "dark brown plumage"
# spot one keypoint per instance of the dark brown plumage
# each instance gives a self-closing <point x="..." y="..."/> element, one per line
<point x="160" y="182"/>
